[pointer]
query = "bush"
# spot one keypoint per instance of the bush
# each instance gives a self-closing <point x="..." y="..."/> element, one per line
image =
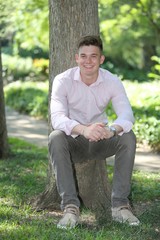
<point x="146" y="110"/>
<point x="155" y="70"/>
<point x="17" y="68"/>
<point x="28" y="97"/>
<point x="125" y="72"/>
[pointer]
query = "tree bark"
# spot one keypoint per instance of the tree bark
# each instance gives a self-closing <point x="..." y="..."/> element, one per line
<point x="69" y="20"/>
<point x="3" y="127"/>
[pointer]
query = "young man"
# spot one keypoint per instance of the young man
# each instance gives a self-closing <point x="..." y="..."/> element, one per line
<point x="79" y="99"/>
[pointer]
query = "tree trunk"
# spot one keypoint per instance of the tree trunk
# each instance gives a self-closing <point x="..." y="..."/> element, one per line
<point x="69" y="20"/>
<point x="3" y="128"/>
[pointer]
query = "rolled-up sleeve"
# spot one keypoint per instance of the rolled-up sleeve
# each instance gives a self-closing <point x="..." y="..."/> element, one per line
<point x="122" y="108"/>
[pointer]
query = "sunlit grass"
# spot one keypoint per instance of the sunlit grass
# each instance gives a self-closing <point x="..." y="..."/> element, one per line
<point x="23" y="176"/>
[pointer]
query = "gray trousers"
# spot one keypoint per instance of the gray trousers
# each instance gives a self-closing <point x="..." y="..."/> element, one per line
<point x="65" y="150"/>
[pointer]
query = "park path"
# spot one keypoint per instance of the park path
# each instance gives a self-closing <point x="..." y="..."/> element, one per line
<point x="36" y="131"/>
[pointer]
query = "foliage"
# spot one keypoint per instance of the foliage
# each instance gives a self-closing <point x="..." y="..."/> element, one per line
<point x="6" y="9"/>
<point x="24" y="175"/>
<point x="15" y="68"/>
<point x="146" y="110"/>
<point x="31" y="20"/>
<point x="24" y="32"/>
<point x="125" y="72"/>
<point x="41" y="65"/>
<point x="131" y="31"/>
<point x="155" y="74"/>
<point x="29" y="98"/>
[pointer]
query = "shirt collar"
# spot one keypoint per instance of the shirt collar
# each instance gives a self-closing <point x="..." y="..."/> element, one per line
<point x="77" y="77"/>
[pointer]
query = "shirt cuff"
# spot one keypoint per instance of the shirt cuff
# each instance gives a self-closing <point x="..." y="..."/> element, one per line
<point x="126" y="125"/>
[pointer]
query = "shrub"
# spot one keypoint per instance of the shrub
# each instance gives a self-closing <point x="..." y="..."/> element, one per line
<point x="155" y="70"/>
<point x="17" y="68"/>
<point x="41" y="65"/>
<point x="28" y="97"/>
<point x="146" y="110"/>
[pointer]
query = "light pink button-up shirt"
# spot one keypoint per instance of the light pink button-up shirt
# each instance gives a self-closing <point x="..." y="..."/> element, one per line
<point x="73" y="102"/>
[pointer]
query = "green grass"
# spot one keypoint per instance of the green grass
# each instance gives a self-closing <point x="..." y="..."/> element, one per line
<point x="23" y="175"/>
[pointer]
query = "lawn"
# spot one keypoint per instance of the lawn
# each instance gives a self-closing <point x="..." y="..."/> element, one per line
<point x="23" y="176"/>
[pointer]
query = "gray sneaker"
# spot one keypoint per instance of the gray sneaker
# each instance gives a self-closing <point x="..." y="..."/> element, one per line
<point x="70" y="217"/>
<point x="124" y="214"/>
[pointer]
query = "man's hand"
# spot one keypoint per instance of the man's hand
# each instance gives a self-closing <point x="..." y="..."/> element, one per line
<point x="96" y="132"/>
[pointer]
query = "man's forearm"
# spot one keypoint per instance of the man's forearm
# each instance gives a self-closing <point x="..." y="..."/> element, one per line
<point x="78" y="129"/>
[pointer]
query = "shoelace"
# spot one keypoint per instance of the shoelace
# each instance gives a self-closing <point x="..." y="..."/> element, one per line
<point x="126" y="207"/>
<point x="71" y="209"/>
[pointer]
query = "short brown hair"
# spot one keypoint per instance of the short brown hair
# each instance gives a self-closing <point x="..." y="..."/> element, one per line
<point x="94" y="40"/>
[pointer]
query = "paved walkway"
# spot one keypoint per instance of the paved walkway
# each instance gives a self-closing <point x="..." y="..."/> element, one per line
<point x="36" y="131"/>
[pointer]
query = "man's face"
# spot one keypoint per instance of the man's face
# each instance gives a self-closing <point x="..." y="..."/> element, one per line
<point x="89" y="59"/>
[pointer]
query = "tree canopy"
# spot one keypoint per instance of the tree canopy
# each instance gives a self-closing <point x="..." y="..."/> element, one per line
<point x="31" y="24"/>
<point x="130" y="29"/>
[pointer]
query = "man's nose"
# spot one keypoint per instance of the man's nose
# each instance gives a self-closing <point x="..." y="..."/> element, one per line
<point x="88" y="59"/>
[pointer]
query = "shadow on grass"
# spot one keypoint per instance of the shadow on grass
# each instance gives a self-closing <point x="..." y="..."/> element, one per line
<point x="23" y="176"/>
<point x="25" y="225"/>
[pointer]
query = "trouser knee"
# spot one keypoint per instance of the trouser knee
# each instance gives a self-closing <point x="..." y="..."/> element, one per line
<point x="55" y="137"/>
<point x="128" y="140"/>
<point x="57" y="144"/>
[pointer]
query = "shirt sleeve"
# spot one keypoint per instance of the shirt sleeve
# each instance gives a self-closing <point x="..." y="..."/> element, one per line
<point x="122" y="108"/>
<point x="59" y="108"/>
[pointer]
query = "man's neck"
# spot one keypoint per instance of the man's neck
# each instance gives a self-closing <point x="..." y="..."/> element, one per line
<point x="88" y="80"/>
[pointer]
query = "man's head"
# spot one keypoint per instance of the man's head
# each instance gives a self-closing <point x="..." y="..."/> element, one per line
<point x="89" y="58"/>
<point x="93" y="40"/>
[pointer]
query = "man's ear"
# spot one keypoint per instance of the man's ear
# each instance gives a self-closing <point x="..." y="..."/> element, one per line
<point x="102" y="59"/>
<point x="76" y="57"/>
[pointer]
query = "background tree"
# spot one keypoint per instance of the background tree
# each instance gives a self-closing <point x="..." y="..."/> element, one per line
<point x="131" y="32"/>
<point x="31" y="21"/>
<point x="123" y="24"/>
<point x="69" y="20"/>
<point x="3" y="128"/>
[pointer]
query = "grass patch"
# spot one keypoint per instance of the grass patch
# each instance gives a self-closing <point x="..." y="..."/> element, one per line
<point x="23" y="175"/>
